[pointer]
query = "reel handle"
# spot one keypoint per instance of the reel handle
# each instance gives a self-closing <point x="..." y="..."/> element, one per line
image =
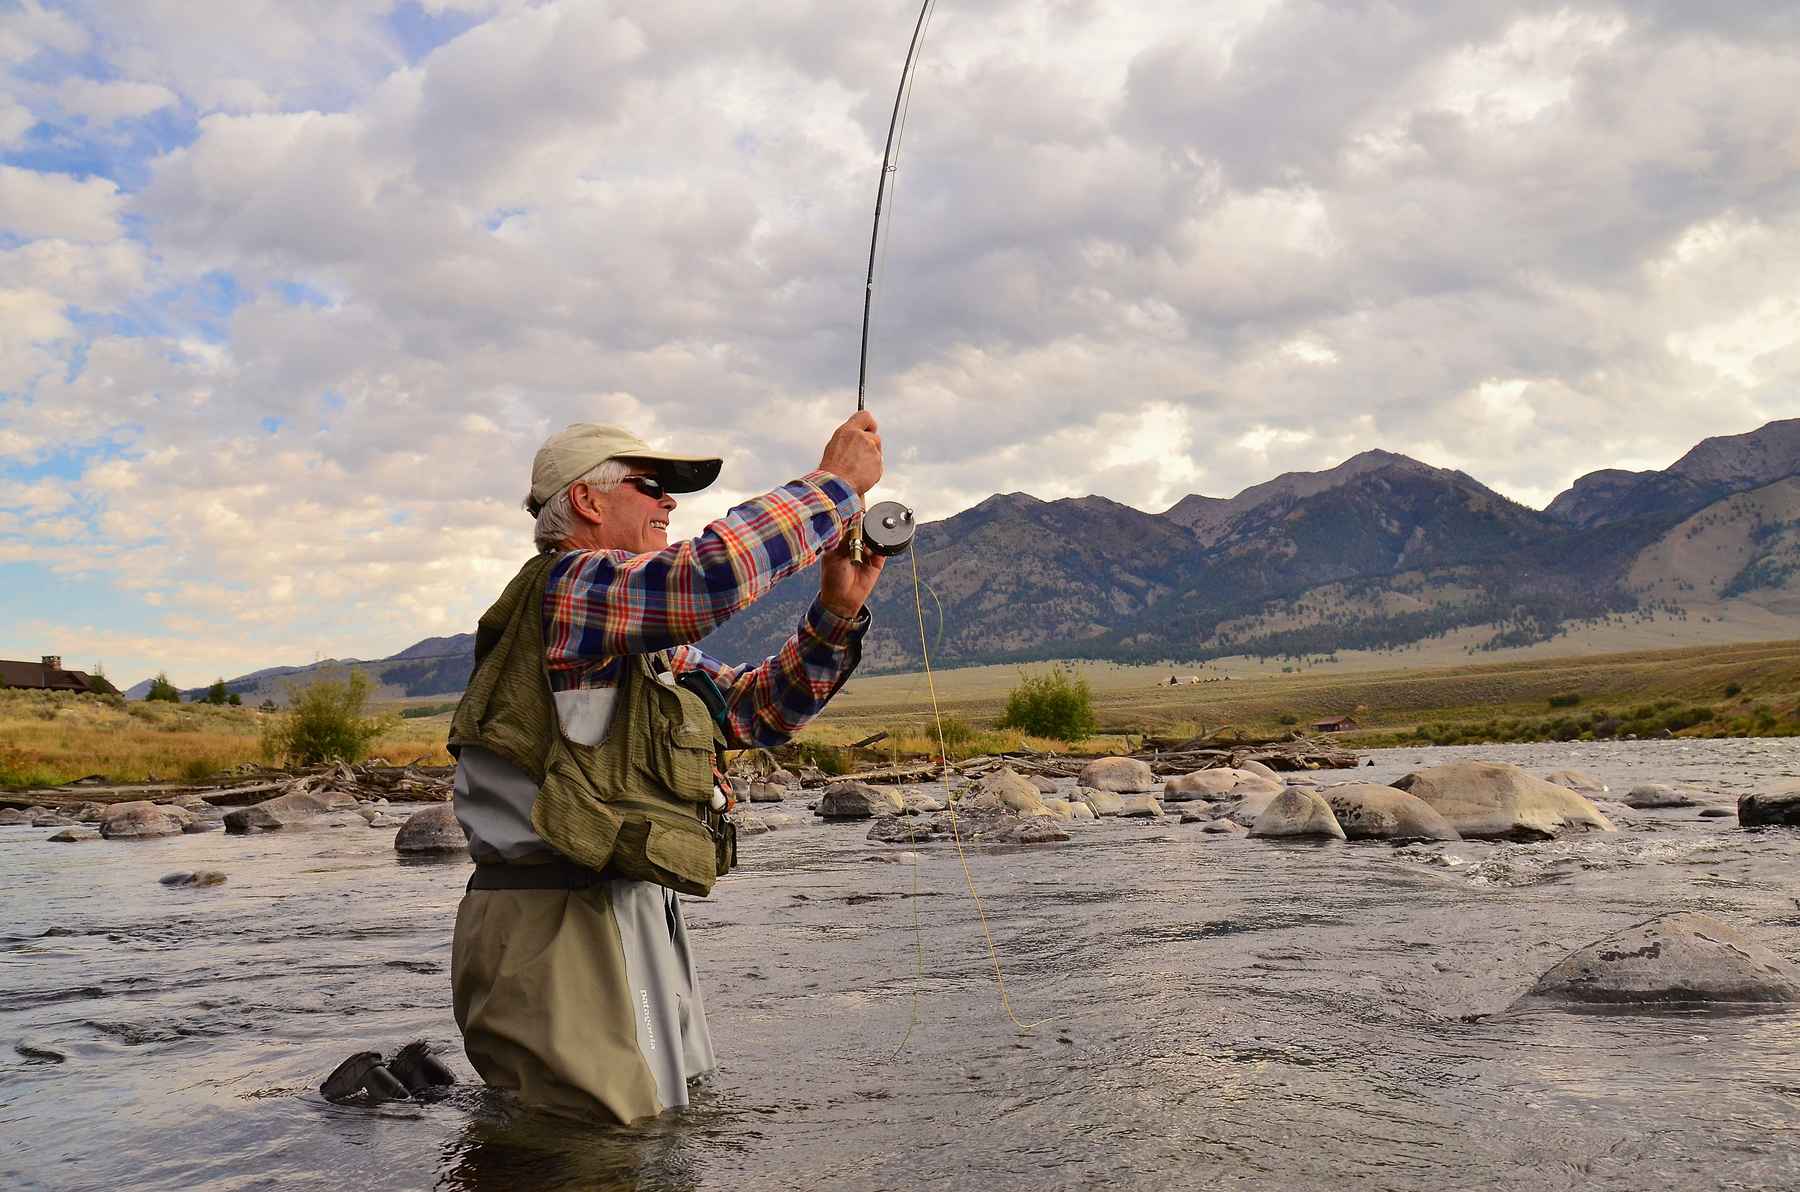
<point x="887" y="528"/>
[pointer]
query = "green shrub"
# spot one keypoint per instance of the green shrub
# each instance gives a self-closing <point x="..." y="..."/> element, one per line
<point x="162" y="689"/>
<point x="324" y="722"/>
<point x="1732" y="689"/>
<point x="1565" y="699"/>
<point x="1289" y="718"/>
<point x="1051" y="705"/>
<point x="955" y="729"/>
<point x="216" y="694"/>
<point x="199" y="769"/>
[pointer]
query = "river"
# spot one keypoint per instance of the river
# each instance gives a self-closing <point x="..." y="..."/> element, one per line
<point x="1204" y="1012"/>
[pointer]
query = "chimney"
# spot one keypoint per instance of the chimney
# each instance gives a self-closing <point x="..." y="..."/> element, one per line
<point x="53" y="662"/>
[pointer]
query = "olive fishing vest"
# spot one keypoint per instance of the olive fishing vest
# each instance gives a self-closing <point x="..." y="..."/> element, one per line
<point x="637" y="805"/>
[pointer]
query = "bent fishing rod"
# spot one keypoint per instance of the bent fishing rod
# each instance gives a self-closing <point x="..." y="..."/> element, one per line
<point x="886" y="527"/>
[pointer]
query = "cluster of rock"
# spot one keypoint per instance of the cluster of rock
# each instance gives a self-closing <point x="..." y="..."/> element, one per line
<point x="333" y="796"/>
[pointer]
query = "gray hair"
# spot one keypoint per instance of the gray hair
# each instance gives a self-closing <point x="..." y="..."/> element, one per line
<point x="556" y="520"/>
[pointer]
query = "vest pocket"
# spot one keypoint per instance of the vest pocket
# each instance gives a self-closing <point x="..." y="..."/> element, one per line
<point x="573" y="821"/>
<point x="681" y="752"/>
<point x="671" y="850"/>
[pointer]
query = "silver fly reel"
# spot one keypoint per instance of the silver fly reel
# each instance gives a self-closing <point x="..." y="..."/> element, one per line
<point x="888" y="528"/>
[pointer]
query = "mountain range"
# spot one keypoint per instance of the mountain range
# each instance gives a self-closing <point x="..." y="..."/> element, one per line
<point x="1379" y="552"/>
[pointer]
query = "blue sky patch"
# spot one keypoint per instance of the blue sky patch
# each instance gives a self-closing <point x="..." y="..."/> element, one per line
<point x="419" y="32"/>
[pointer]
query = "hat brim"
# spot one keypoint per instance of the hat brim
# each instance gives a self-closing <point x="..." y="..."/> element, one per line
<point x="681" y="473"/>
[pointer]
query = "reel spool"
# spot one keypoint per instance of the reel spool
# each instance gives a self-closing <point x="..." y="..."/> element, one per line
<point x="887" y="528"/>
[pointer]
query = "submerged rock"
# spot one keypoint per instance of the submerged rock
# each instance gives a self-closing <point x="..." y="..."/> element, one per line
<point x="1646" y="795"/>
<point x="1298" y="811"/>
<point x="75" y="835"/>
<point x="1100" y="802"/>
<point x="748" y="823"/>
<point x="1685" y="959"/>
<point x="1779" y="805"/>
<point x="431" y="830"/>
<point x="139" y="820"/>
<point x="1224" y="826"/>
<point x="1369" y="812"/>
<point x="200" y="877"/>
<point x="1489" y="800"/>
<point x="1121" y="775"/>
<point x="1141" y="807"/>
<point x="767" y="792"/>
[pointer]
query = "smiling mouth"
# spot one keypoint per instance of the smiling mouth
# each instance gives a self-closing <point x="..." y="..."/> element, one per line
<point x="660" y="525"/>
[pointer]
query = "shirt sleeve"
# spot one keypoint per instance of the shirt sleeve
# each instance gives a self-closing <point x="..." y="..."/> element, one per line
<point x="601" y="604"/>
<point x="770" y="702"/>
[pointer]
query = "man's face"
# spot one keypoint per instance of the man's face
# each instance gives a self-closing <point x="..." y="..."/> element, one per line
<point x="630" y="518"/>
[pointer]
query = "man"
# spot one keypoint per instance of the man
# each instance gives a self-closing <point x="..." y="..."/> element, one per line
<point x="571" y="975"/>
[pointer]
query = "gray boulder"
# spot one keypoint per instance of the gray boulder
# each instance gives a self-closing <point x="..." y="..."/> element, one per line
<point x="748" y="823"/>
<point x="15" y="817"/>
<point x="75" y="835"/>
<point x="1778" y="805"/>
<point x="200" y="877"/>
<point x="1046" y="786"/>
<point x="1647" y="795"/>
<point x="138" y="821"/>
<point x="919" y="803"/>
<point x="431" y="830"/>
<point x="53" y="819"/>
<point x="859" y="800"/>
<point x="784" y="778"/>
<point x="1492" y="800"/>
<point x="1224" y="826"/>
<point x="767" y="792"/>
<point x="1579" y="781"/>
<point x="271" y="815"/>
<point x="1248" y="809"/>
<point x="1297" y="811"/>
<point x="1683" y="959"/>
<point x="1121" y="775"/>
<point x="1257" y="768"/>
<point x="1369" y="812"/>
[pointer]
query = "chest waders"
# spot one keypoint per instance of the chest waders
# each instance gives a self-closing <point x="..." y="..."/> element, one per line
<point x="637" y="805"/>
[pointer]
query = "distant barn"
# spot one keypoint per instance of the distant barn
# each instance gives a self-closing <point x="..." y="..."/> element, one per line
<point x="1337" y="724"/>
<point x="48" y="675"/>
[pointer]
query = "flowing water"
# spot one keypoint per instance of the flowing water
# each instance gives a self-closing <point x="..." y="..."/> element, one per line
<point x="1209" y="1012"/>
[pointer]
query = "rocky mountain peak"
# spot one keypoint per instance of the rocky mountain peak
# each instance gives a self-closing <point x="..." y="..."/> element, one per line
<point x="1749" y="460"/>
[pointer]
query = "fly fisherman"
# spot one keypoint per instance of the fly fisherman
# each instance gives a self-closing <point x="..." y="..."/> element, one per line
<point x="589" y="748"/>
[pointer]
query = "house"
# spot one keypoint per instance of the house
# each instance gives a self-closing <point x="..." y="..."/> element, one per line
<point x="1337" y="724"/>
<point x="49" y="675"/>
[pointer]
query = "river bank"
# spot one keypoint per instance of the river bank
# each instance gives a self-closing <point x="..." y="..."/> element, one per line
<point x="1209" y="1011"/>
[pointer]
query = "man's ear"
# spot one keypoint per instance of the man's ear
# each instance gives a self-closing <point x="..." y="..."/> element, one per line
<point x="581" y="500"/>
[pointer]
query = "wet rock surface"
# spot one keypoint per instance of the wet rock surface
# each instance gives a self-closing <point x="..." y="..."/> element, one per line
<point x="431" y="829"/>
<point x="1779" y="804"/>
<point x="1369" y="812"/>
<point x="1120" y="775"/>
<point x="1483" y="799"/>
<point x="1673" y="961"/>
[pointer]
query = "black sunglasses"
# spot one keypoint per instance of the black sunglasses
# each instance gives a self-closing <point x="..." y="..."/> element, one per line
<point x="650" y="486"/>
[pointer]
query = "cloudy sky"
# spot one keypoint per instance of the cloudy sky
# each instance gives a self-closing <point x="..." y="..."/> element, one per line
<point x="290" y="290"/>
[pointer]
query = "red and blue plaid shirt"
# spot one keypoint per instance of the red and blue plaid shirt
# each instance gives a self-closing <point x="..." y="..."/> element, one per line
<point x="603" y="604"/>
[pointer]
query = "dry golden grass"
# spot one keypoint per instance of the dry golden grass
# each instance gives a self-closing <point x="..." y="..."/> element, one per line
<point x="48" y="738"/>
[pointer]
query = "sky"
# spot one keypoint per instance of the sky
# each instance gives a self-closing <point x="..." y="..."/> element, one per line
<point x="291" y="290"/>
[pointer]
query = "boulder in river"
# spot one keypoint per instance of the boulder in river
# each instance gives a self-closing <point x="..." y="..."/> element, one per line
<point x="431" y="829"/>
<point x="859" y="800"/>
<point x="1367" y="811"/>
<point x="1647" y="795"/>
<point x="1250" y="807"/>
<point x="75" y="835"/>
<point x="1492" y="800"/>
<point x="1252" y="766"/>
<point x="1780" y="804"/>
<point x="1009" y="790"/>
<point x="1685" y="959"/>
<point x="1298" y="811"/>
<point x="748" y="822"/>
<point x="919" y="803"/>
<point x="1224" y="826"/>
<point x="200" y="877"/>
<point x="1141" y="807"/>
<point x="1121" y="775"/>
<point x="139" y="820"/>
<point x="767" y="792"/>
<point x="1101" y="802"/>
<point x="283" y="811"/>
<point x="1216" y="785"/>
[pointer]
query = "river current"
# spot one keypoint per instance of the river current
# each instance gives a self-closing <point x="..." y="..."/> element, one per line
<point x="1203" y="1012"/>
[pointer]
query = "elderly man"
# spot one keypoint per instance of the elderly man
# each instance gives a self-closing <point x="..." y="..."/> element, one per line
<point x="588" y="745"/>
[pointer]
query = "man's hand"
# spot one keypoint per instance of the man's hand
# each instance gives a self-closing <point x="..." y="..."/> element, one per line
<point x="844" y="585"/>
<point x="854" y="453"/>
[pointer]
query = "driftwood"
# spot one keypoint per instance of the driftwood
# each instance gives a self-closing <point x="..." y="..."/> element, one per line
<point x="369" y="781"/>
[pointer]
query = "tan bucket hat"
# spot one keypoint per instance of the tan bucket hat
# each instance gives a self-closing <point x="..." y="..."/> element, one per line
<point x="574" y="451"/>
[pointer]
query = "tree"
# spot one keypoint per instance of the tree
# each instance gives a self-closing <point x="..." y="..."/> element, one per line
<point x="1051" y="705"/>
<point x="162" y="689"/>
<point x="325" y="721"/>
<point x="216" y="694"/>
<point x="235" y="700"/>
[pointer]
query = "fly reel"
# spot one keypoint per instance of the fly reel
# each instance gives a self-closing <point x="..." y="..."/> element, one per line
<point x="887" y="528"/>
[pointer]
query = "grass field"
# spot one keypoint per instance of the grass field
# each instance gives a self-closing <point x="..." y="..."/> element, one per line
<point x="1742" y="689"/>
<point x="1387" y="704"/>
<point x="48" y="738"/>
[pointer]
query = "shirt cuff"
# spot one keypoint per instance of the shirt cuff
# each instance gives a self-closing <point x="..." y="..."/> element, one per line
<point x="826" y="627"/>
<point x="848" y="501"/>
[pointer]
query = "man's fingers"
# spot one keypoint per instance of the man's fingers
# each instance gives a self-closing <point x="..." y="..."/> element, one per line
<point x="862" y="420"/>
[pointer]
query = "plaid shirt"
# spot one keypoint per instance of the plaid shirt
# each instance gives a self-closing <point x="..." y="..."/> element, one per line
<point x="603" y="604"/>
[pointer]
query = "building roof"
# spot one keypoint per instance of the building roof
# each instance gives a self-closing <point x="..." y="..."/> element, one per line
<point x="37" y="676"/>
